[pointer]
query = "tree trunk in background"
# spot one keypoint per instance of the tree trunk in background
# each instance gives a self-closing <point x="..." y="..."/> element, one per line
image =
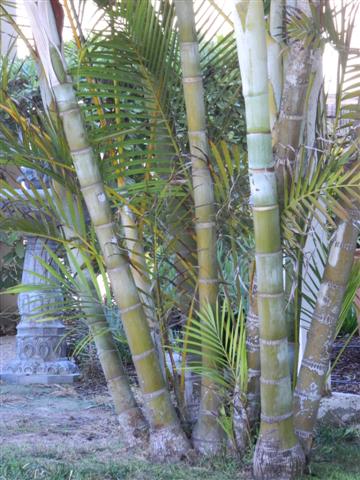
<point x="253" y="357"/>
<point x="208" y="435"/>
<point x="278" y="453"/>
<point x="167" y="437"/>
<point x="288" y="134"/>
<point x="290" y="125"/>
<point x="141" y="276"/>
<point x="310" y="251"/>
<point x="247" y="414"/>
<point x="315" y="363"/>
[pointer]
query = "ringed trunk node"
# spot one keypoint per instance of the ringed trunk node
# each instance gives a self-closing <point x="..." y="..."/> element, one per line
<point x="133" y="427"/>
<point x="169" y="442"/>
<point x="208" y="436"/>
<point x="273" y="463"/>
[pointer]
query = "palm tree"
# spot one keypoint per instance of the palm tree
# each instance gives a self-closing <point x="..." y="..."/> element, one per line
<point x="336" y="279"/>
<point x="131" y="420"/>
<point x="278" y="453"/>
<point x="129" y="81"/>
<point x="292" y="108"/>
<point x="160" y="411"/>
<point x="208" y="434"/>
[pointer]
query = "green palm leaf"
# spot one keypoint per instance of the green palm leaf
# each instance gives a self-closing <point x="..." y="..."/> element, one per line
<point x="223" y="335"/>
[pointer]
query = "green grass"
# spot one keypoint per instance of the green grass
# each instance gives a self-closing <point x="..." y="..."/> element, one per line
<point x="14" y="468"/>
<point x="336" y="456"/>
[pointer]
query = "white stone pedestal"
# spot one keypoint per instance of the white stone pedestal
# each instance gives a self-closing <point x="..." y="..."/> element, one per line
<point x="40" y="341"/>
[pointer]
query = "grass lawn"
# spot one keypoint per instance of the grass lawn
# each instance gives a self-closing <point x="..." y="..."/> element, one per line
<point x="336" y="456"/>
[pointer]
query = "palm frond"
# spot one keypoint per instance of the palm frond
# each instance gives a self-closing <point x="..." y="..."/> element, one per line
<point x="131" y="69"/>
<point x="349" y="297"/>
<point x="221" y="75"/>
<point x="222" y="335"/>
<point x="318" y="190"/>
<point x="235" y="244"/>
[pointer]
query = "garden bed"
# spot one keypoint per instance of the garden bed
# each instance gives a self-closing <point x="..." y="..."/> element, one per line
<point x="345" y="376"/>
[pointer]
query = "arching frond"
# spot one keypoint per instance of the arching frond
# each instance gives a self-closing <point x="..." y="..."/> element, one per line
<point x="319" y="191"/>
<point x="223" y="334"/>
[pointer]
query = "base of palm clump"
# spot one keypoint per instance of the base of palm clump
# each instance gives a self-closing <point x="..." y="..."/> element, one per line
<point x="241" y="426"/>
<point x="133" y="427"/>
<point x="208" y="436"/>
<point x="169" y="442"/>
<point x="271" y="462"/>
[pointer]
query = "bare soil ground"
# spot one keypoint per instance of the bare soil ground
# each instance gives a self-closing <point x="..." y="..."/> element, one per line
<point x="7" y="350"/>
<point x="57" y="419"/>
<point x="70" y="431"/>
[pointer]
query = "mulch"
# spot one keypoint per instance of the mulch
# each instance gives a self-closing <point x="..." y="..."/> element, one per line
<point x="345" y="376"/>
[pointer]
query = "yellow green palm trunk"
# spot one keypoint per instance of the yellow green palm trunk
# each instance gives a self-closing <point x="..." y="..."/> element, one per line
<point x="208" y="435"/>
<point x="132" y="423"/>
<point x="278" y="453"/>
<point x="167" y="437"/>
<point x="142" y="280"/>
<point x="131" y="420"/>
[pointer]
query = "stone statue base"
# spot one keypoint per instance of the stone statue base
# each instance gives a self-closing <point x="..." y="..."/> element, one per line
<point x="44" y="379"/>
<point x="40" y="356"/>
<point x="40" y="340"/>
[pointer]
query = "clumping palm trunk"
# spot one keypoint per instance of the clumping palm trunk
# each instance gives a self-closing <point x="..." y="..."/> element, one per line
<point x="288" y="132"/>
<point x="132" y="423"/>
<point x="247" y="416"/>
<point x="253" y="358"/>
<point x="315" y="363"/>
<point x="278" y="453"/>
<point x="290" y="124"/>
<point x="141" y="276"/>
<point x="208" y="435"/>
<point x="315" y="98"/>
<point x="166" y="435"/>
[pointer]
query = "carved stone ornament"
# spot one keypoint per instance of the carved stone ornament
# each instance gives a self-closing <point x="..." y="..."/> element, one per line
<point x="40" y="339"/>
